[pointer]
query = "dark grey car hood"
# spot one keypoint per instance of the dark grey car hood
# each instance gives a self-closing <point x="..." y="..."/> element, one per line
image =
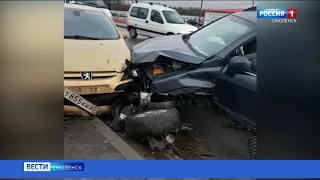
<point x="169" y="46"/>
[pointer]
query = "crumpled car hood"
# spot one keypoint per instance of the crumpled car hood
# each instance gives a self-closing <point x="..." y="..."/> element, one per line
<point x="169" y="46"/>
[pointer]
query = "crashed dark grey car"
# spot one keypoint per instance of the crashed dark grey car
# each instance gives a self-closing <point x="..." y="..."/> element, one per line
<point x="217" y="61"/>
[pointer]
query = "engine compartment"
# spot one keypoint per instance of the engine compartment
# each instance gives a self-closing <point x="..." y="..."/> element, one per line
<point x="162" y="68"/>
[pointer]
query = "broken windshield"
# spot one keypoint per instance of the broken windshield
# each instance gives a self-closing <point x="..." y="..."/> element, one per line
<point x="213" y="38"/>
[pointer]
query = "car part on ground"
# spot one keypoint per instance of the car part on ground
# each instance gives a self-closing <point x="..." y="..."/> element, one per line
<point x="253" y="145"/>
<point x="168" y="140"/>
<point x="154" y="143"/>
<point x="151" y="122"/>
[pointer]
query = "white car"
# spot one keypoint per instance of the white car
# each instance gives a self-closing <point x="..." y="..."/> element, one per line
<point x="153" y="20"/>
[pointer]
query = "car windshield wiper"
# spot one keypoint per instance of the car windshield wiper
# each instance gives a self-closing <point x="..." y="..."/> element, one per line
<point x="186" y="38"/>
<point x="187" y="42"/>
<point x="81" y="37"/>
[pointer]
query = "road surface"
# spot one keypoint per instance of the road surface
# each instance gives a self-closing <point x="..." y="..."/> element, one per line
<point x="214" y="139"/>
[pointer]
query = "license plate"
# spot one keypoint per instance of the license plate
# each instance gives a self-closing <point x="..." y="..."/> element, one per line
<point x="91" y="89"/>
<point x="80" y="101"/>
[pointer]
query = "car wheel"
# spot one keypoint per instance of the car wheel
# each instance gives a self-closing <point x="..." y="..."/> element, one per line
<point x="152" y="122"/>
<point x="133" y="32"/>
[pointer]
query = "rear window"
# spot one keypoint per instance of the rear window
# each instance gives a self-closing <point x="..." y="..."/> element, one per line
<point x="138" y="12"/>
<point x="88" y="23"/>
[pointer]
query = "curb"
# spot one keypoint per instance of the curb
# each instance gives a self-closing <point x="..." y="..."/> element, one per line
<point x="117" y="142"/>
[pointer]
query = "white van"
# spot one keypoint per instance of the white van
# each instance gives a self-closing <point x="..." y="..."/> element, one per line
<point x="95" y="3"/>
<point x="153" y="20"/>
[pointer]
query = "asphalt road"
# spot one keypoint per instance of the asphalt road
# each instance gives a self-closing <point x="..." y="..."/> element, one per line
<point x="131" y="42"/>
<point x="219" y="141"/>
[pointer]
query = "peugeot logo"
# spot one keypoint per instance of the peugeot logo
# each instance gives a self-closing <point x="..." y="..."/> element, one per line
<point x="86" y="75"/>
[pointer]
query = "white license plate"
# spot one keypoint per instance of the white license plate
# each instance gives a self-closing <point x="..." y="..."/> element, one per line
<point x="80" y="101"/>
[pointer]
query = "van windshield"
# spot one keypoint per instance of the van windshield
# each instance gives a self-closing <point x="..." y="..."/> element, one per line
<point x="173" y="17"/>
<point x="88" y="24"/>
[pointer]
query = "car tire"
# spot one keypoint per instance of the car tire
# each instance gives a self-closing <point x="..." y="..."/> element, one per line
<point x="133" y="32"/>
<point x="152" y="122"/>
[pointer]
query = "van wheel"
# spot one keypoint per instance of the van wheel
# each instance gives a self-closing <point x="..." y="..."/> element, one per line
<point x="169" y="34"/>
<point x="133" y="32"/>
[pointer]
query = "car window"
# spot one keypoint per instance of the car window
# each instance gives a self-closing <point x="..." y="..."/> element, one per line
<point x="216" y="36"/>
<point x="250" y="47"/>
<point x="249" y="50"/>
<point x="156" y="16"/>
<point x="88" y="23"/>
<point x="173" y="17"/>
<point x="143" y="13"/>
<point x="134" y="12"/>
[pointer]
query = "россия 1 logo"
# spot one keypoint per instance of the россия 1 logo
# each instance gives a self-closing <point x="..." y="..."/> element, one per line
<point x="280" y="15"/>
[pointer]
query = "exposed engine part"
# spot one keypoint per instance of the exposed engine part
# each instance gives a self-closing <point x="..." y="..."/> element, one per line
<point x="145" y="99"/>
<point x="168" y="140"/>
<point x="253" y="145"/>
<point x="153" y="143"/>
<point x="134" y="73"/>
<point x="167" y="66"/>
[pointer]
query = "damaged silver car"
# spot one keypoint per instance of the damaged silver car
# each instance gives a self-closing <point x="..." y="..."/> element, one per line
<point x="216" y="64"/>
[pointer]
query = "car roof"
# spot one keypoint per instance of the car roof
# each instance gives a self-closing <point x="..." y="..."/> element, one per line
<point x="154" y="6"/>
<point x="82" y="7"/>
<point x="247" y="15"/>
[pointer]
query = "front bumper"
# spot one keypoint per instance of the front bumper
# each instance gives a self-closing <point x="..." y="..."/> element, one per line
<point x="77" y="111"/>
<point x="96" y="86"/>
<point x="102" y="92"/>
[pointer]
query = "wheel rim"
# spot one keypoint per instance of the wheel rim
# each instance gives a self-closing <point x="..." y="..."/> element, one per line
<point x="132" y="32"/>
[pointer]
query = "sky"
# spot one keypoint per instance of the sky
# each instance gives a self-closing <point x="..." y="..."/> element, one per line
<point x="209" y="4"/>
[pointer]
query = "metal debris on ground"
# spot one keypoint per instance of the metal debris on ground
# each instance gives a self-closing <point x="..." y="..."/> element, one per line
<point x="186" y="127"/>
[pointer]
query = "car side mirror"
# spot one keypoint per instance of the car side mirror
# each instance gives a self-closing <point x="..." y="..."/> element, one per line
<point x="124" y="35"/>
<point x="238" y="64"/>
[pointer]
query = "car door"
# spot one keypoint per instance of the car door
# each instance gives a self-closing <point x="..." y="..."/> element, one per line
<point x="238" y="94"/>
<point x="141" y="21"/>
<point x="156" y="23"/>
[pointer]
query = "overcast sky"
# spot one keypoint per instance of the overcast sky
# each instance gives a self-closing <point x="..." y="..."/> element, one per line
<point x="209" y="4"/>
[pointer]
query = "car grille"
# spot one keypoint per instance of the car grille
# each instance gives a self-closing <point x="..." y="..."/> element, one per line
<point x="95" y="75"/>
